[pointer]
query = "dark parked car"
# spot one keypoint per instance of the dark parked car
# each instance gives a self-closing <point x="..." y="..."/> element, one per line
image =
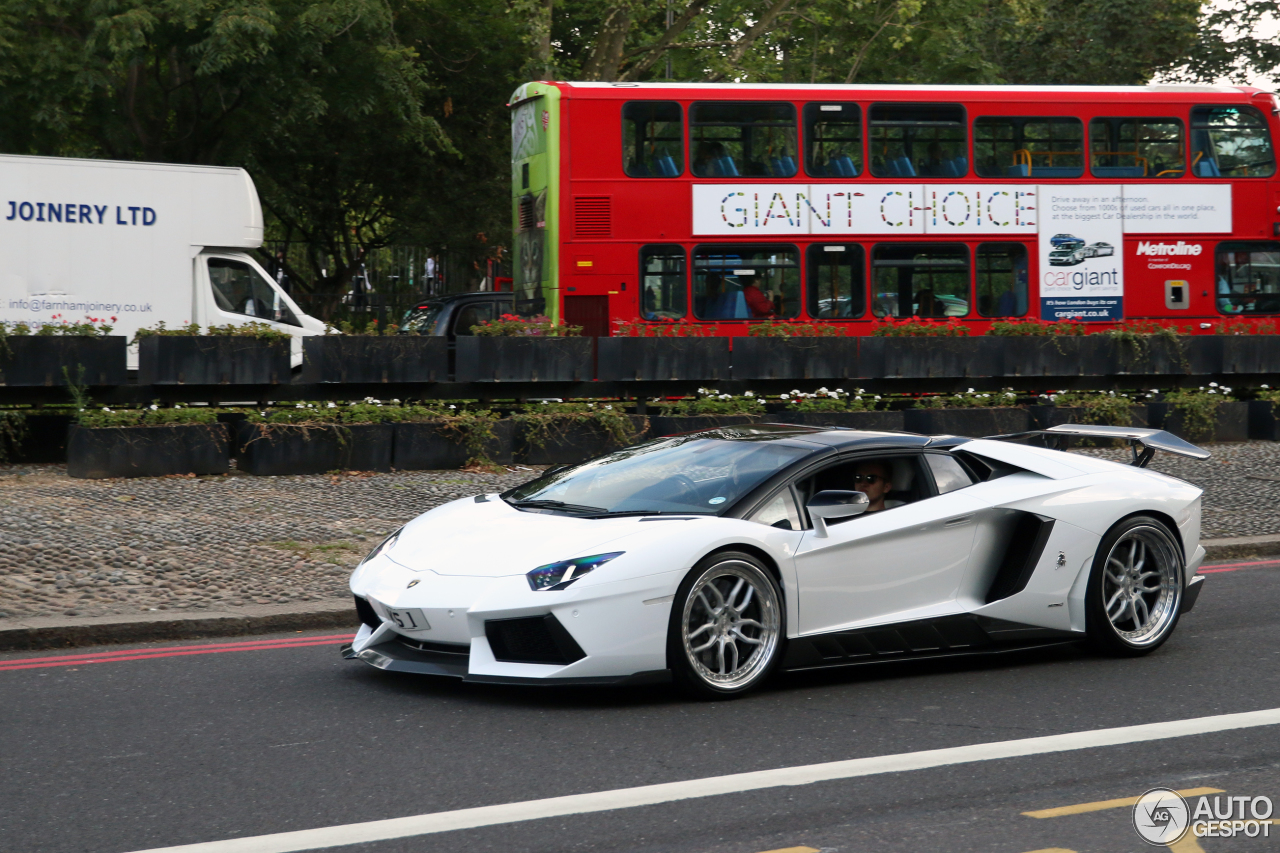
<point x="454" y="315"/>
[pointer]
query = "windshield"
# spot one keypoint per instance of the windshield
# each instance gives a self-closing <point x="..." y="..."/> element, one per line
<point x="422" y="319"/>
<point x="683" y="474"/>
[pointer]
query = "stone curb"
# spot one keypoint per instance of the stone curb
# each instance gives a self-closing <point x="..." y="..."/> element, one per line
<point x="1237" y="547"/>
<point x="52" y="632"/>
<point x="66" y="632"/>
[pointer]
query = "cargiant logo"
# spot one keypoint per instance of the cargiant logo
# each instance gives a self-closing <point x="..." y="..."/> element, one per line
<point x="1166" y="249"/>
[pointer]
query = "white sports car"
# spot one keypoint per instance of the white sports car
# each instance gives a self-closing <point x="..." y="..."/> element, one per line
<point x="719" y="557"/>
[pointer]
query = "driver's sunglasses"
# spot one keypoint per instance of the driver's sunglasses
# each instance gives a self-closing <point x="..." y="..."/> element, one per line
<point x="867" y="478"/>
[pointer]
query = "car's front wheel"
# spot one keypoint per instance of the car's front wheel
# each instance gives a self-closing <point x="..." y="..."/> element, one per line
<point x="726" y="627"/>
<point x="1135" y="589"/>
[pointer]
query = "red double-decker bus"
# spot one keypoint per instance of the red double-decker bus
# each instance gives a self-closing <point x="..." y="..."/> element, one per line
<point x="739" y="204"/>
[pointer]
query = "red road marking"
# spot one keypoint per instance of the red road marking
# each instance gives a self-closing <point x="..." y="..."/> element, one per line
<point x="171" y="651"/>
<point x="1235" y="567"/>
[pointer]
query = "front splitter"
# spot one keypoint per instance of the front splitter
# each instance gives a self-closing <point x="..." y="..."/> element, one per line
<point x="393" y="656"/>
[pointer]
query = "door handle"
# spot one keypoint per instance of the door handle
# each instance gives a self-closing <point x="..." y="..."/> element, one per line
<point x="959" y="521"/>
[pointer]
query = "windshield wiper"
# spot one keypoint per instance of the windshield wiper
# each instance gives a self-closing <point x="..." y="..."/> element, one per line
<point x="622" y="513"/>
<point x="550" y="504"/>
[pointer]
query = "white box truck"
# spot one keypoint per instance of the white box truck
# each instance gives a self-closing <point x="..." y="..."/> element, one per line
<point x="142" y="242"/>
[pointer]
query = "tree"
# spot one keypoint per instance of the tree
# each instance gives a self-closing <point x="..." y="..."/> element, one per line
<point x="341" y="110"/>
<point x="1227" y="47"/>
<point x="871" y="41"/>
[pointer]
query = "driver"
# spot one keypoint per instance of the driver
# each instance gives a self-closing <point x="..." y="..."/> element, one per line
<point x="874" y="478"/>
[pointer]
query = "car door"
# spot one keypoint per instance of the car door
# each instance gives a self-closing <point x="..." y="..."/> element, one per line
<point x="470" y="314"/>
<point x="898" y="564"/>
<point x="242" y="294"/>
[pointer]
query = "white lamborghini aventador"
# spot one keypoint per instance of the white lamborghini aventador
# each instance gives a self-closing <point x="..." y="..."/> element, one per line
<point x="718" y="557"/>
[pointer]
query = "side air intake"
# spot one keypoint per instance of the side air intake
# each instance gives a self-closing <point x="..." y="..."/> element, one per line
<point x="1026" y="544"/>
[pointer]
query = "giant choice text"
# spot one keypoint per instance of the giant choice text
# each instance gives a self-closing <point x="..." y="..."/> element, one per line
<point x="89" y="214"/>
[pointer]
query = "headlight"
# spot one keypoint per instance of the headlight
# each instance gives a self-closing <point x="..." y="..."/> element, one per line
<point x="560" y="575"/>
<point x="386" y="545"/>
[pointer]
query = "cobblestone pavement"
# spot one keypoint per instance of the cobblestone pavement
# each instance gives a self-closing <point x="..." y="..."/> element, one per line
<point x="92" y="547"/>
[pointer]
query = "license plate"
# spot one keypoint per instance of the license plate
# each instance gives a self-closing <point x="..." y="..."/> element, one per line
<point x="411" y="619"/>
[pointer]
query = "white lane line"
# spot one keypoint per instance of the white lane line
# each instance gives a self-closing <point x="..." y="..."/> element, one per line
<point x="648" y="795"/>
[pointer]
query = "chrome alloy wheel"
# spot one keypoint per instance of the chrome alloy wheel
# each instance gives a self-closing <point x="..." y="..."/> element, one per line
<point x="730" y="624"/>
<point x="1142" y="585"/>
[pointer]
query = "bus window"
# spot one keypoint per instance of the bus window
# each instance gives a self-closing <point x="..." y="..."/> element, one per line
<point x="742" y="139"/>
<point x="920" y="280"/>
<point x="1230" y="142"/>
<point x="1002" y="279"/>
<point x="1027" y="147"/>
<point x="1136" y="148"/>
<point x="833" y="140"/>
<point x="652" y="139"/>
<point x="746" y="282"/>
<point x="836" y="289"/>
<point x="1247" y="280"/>
<point x="662" y="285"/>
<point x="918" y="139"/>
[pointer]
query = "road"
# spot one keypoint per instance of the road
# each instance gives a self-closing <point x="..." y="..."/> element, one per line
<point x="174" y="744"/>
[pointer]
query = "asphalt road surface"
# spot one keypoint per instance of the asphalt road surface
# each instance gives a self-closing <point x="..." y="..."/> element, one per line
<point x="126" y="749"/>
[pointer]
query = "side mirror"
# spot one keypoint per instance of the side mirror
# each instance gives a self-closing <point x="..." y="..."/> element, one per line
<point x="834" y="504"/>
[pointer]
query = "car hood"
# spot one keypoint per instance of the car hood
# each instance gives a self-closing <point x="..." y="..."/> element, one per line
<point x="494" y="539"/>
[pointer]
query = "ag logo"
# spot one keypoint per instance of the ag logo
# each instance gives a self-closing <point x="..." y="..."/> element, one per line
<point x="1161" y="816"/>
<point x="413" y="583"/>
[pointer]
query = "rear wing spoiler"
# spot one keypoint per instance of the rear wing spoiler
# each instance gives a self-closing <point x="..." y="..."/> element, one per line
<point x="1150" y="440"/>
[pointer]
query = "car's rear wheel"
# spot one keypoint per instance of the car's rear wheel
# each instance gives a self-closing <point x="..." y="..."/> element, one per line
<point x="726" y="629"/>
<point x="1135" y="588"/>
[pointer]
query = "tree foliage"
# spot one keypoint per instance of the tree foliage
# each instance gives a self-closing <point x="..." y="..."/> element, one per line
<point x="864" y="41"/>
<point x="363" y="122"/>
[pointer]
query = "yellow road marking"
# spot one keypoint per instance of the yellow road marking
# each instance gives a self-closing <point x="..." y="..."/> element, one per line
<point x="1111" y="804"/>
<point x="802" y="850"/>
<point x="1187" y="844"/>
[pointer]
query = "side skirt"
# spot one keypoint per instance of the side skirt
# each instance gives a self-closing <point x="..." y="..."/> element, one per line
<point x="946" y="636"/>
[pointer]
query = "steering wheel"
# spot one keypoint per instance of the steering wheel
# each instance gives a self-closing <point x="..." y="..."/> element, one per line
<point x="687" y="486"/>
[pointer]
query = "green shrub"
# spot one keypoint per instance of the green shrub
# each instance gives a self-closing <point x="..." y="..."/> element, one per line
<point x="915" y="328"/>
<point x="824" y="400"/>
<point x="515" y="326"/>
<point x="260" y="331"/>
<point x="151" y="416"/>
<point x="709" y="402"/>
<point x="1199" y="407"/>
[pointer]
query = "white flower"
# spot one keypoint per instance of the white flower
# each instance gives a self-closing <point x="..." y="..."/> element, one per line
<point x="452" y="406"/>
<point x="607" y="406"/>
<point x="299" y="406"/>
<point x="784" y="396"/>
<point x="749" y="394"/>
<point x="154" y="407"/>
<point x="332" y="405"/>
<point x="1213" y="384"/>
<point x="822" y="390"/>
<point x="877" y="397"/>
<point x="970" y="391"/>
<point x="1226" y="390"/>
<point x="1266" y="386"/>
